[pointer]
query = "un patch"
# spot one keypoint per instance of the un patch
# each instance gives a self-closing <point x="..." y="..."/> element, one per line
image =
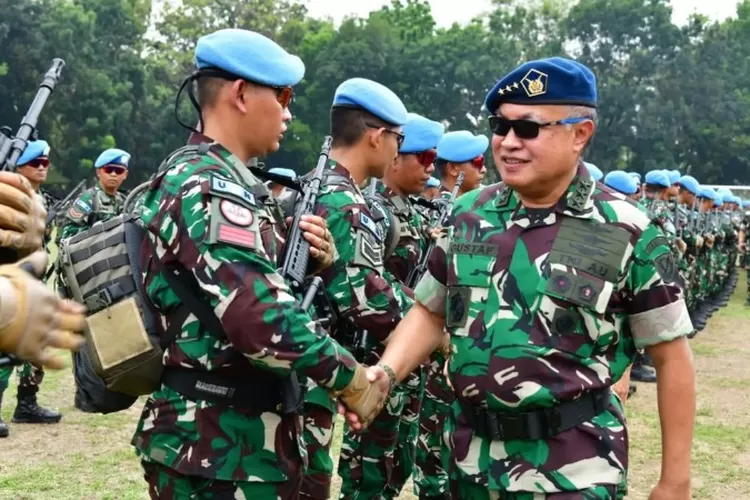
<point x="83" y="206"/>
<point x="223" y="186"/>
<point x="370" y="225"/>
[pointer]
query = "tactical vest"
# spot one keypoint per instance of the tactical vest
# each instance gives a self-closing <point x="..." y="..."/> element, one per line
<point x="398" y="221"/>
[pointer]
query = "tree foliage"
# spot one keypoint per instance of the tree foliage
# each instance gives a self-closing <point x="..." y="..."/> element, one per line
<point x="670" y="96"/>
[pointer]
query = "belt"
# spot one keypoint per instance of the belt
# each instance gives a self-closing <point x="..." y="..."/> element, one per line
<point x="277" y="395"/>
<point x="537" y="424"/>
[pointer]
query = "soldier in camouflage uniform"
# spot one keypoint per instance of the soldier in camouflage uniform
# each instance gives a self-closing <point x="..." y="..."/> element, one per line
<point x="278" y="189"/>
<point x="406" y="240"/>
<point x="458" y="151"/>
<point x="431" y="189"/>
<point x="33" y="164"/>
<point x="366" y="121"/>
<point x="547" y="283"/>
<point x="226" y="422"/>
<point x="101" y="202"/>
<point x="744" y="240"/>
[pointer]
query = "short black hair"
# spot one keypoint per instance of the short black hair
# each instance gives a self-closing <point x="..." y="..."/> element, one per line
<point x="348" y="125"/>
<point x="440" y="166"/>
<point x="655" y="188"/>
<point x="208" y="90"/>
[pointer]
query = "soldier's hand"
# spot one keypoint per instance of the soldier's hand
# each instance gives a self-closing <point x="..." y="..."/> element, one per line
<point x="436" y="232"/>
<point x="681" y="245"/>
<point x="32" y="318"/>
<point x="445" y="346"/>
<point x="22" y="214"/>
<point x="361" y="401"/>
<point x="622" y="387"/>
<point x="698" y="241"/>
<point x="322" y="247"/>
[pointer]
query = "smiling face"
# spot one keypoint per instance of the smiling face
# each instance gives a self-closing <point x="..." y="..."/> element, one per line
<point x="536" y="167"/>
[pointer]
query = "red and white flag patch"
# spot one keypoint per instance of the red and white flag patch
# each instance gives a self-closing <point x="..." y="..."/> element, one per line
<point x="236" y="236"/>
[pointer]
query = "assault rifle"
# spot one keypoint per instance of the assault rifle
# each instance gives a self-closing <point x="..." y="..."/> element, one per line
<point x="297" y="255"/>
<point x="54" y="209"/>
<point x="13" y="146"/>
<point x="444" y="210"/>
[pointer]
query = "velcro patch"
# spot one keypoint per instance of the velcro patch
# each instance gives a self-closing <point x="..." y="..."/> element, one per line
<point x="235" y="213"/>
<point x="366" y="222"/>
<point x="83" y="206"/>
<point x="236" y="236"/>
<point x="224" y="187"/>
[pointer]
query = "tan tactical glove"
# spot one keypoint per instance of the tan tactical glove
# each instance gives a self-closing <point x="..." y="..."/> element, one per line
<point x="362" y="397"/>
<point x="681" y="246"/>
<point x="22" y="214"/>
<point x="33" y="318"/>
<point x="445" y="347"/>
<point x="699" y="241"/>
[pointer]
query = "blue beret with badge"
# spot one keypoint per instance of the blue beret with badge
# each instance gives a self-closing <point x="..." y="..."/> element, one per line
<point x="621" y="181"/>
<point x="34" y="150"/>
<point x="250" y="56"/>
<point x="461" y="146"/>
<point x="594" y="171"/>
<point x="420" y="134"/>
<point x="373" y="97"/>
<point x="690" y="183"/>
<point x="555" y="80"/>
<point x="432" y="183"/>
<point x="284" y="172"/>
<point x="113" y="156"/>
<point x="658" y="178"/>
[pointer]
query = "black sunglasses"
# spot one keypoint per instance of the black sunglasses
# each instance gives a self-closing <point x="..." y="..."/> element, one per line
<point x="526" y="129"/>
<point x="399" y="135"/>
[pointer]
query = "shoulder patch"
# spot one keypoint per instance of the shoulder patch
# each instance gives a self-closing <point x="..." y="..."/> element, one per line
<point x="81" y="205"/>
<point x="225" y="187"/>
<point x="367" y="222"/>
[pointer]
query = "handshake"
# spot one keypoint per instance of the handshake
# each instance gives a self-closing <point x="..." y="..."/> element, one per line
<point x="364" y="397"/>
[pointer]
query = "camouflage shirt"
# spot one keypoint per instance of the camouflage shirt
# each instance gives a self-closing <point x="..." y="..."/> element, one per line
<point x="541" y="309"/>
<point x="357" y="283"/>
<point x="91" y="206"/>
<point x="208" y="213"/>
<point x="410" y="233"/>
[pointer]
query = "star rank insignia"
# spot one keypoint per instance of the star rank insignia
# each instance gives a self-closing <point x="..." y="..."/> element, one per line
<point x="534" y="83"/>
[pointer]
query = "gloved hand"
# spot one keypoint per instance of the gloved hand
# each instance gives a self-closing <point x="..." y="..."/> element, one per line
<point x="33" y="318"/>
<point x="364" y="397"/>
<point x="22" y="214"/>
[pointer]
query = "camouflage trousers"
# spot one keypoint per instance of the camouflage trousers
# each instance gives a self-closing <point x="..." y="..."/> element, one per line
<point x="165" y="483"/>
<point x="377" y="463"/>
<point x="430" y="474"/>
<point x="29" y="378"/>
<point x="471" y="491"/>
<point x="317" y="434"/>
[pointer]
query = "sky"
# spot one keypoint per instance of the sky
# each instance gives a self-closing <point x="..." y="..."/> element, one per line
<point x="446" y="12"/>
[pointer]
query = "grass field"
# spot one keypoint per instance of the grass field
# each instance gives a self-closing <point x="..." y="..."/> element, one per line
<point x="89" y="456"/>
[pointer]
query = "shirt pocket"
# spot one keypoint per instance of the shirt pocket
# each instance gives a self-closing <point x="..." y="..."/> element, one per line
<point x="469" y="284"/>
<point x="572" y="309"/>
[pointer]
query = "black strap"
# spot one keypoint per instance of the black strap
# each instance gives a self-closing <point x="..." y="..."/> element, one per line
<point x="89" y="251"/>
<point x="101" y="266"/>
<point x="544" y="423"/>
<point x="110" y="292"/>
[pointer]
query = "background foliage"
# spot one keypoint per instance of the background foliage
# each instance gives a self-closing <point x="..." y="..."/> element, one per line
<point x="670" y="96"/>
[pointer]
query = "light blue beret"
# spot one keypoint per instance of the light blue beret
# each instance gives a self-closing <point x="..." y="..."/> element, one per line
<point x="658" y="178"/>
<point x="250" y="56"/>
<point x="594" y="171"/>
<point x="717" y="200"/>
<point x="706" y="192"/>
<point x="286" y="172"/>
<point x="636" y="176"/>
<point x="674" y="175"/>
<point x="461" y="146"/>
<point x="34" y="149"/>
<point x="690" y="183"/>
<point x="727" y="197"/>
<point x="547" y="81"/>
<point x="621" y="181"/>
<point x="372" y="97"/>
<point x="746" y="204"/>
<point x="738" y="200"/>
<point x="432" y="183"/>
<point x="420" y="134"/>
<point x="113" y="156"/>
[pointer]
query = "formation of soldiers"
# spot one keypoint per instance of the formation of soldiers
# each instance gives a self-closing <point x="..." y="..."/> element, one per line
<point x="475" y="332"/>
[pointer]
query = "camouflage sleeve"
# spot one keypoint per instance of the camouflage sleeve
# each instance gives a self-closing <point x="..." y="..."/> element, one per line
<point x="357" y="282"/>
<point x="77" y="216"/>
<point x="224" y="239"/>
<point x="431" y="291"/>
<point x="656" y="311"/>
